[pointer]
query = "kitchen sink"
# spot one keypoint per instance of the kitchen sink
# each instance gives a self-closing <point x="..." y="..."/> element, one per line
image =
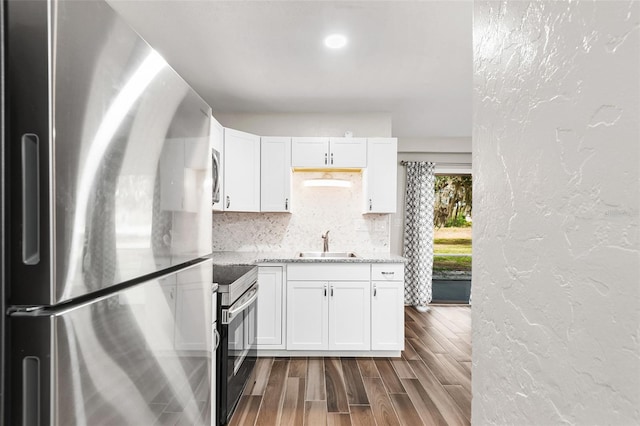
<point x="329" y="254"/>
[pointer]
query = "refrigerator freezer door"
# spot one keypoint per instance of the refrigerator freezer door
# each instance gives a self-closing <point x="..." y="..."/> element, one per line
<point x="119" y="360"/>
<point x="124" y="160"/>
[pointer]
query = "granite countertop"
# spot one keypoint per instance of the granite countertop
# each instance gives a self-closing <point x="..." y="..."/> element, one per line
<point x="251" y="258"/>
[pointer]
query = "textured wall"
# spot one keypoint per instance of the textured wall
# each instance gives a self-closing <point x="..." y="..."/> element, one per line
<point x="556" y="210"/>
<point x="313" y="211"/>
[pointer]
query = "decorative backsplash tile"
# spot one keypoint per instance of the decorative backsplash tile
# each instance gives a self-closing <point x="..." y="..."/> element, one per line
<point x="314" y="210"/>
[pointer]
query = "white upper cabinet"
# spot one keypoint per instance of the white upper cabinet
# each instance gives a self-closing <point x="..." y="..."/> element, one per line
<point x="216" y="136"/>
<point x="241" y="171"/>
<point x="380" y="176"/>
<point x="329" y="152"/>
<point x="348" y="152"/>
<point x="275" y="182"/>
<point x="309" y="152"/>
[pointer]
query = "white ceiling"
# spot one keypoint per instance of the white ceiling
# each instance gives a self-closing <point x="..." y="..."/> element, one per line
<point x="412" y="59"/>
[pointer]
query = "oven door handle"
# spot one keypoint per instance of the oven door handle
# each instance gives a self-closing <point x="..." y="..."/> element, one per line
<point x="216" y="336"/>
<point x="251" y="297"/>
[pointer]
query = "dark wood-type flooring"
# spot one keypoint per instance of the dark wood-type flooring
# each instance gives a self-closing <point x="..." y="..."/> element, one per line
<point x="430" y="384"/>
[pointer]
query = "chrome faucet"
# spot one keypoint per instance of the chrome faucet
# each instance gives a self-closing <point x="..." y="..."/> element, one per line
<point x="325" y="237"/>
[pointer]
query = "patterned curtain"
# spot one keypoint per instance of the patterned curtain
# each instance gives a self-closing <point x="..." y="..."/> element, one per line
<point x="418" y="233"/>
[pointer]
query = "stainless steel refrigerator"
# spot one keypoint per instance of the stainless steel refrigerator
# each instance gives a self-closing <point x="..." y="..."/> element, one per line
<point x="106" y="225"/>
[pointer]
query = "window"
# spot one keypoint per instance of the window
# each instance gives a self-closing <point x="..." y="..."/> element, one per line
<point x="453" y="224"/>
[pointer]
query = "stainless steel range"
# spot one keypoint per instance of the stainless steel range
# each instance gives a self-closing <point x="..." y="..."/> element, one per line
<point x="238" y="291"/>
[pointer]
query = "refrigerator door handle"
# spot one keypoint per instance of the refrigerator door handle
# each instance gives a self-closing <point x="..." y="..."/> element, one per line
<point x="30" y="199"/>
<point x="30" y="391"/>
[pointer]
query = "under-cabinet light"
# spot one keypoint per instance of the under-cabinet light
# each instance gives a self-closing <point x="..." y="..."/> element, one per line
<point x="328" y="180"/>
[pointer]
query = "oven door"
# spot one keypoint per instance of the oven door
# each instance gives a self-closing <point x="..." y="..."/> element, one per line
<point x="239" y="347"/>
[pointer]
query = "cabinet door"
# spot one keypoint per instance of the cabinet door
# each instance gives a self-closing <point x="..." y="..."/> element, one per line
<point x="217" y="142"/>
<point x="348" y="152"/>
<point x="275" y="174"/>
<point x="309" y="152"/>
<point x="307" y="310"/>
<point x="387" y="315"/>
<point x="241" y="171"/>
<point x="380" y="177"/>
<point x="350" y="316"/>
<point x="269" y="331"/>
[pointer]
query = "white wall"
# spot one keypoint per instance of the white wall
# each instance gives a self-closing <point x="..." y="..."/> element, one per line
<point x="309" y="124"/>
<point x="444" y="145"/>
<point x="556" y="153"/>
<point x="313" y="210"/>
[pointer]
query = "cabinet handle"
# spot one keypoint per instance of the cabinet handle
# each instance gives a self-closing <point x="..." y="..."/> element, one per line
<point x="370" y="204"/>
<point x="325" y="158"/>
<point x="325" y="291"/>
<point x="375" y="290"/>
<point x="331" y="291"/>
<point x="286" y="204"/>
<point x="332" y="158"/>
<point x="171" y="294"/>
<point x="387" y="273"/>
<point x="228" y="201"/>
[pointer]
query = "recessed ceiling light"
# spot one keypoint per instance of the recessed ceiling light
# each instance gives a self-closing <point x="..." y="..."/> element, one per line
<point x="335" y="41"/>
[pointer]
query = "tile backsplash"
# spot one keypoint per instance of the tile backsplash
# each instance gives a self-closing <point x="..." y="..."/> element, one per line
<point x="314" y="210"/>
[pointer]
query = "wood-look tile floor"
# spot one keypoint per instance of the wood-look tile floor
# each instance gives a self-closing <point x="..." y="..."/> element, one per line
<point x="429" y="384"/>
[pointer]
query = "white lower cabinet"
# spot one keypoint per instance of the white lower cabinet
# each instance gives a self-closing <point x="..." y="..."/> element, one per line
<point x="326" y="315"/>
<point x="349" y="316"/>
<point x="307" y="315"/>
<point x="269" y="334"/>
<point x="331" y="307"/>
<point x="387" y="306"/>
<point x="387" y="315"/>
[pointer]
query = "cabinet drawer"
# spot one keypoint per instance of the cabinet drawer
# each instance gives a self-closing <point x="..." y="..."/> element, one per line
<point x="329" y="272"/>
<point x="387" y="272"/>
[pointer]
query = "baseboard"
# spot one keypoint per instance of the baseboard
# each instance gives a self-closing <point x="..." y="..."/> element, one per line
<point x="293" y="354"/>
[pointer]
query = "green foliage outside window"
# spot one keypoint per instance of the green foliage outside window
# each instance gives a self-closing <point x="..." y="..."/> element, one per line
<point x="453" y="204"/>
